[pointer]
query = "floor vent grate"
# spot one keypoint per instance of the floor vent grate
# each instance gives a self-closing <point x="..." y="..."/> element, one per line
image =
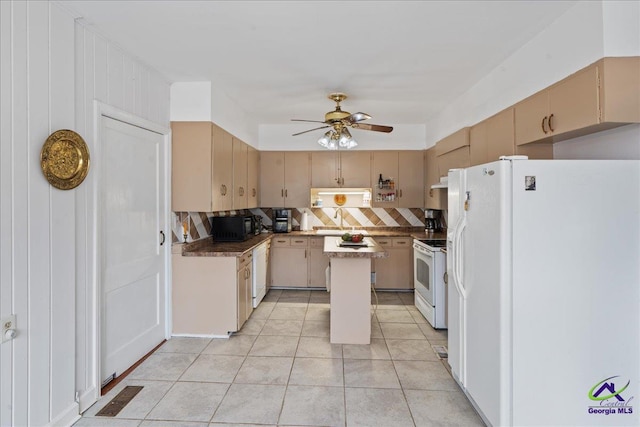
<point x="441" y="351"/>
<point x="121" y="400"/>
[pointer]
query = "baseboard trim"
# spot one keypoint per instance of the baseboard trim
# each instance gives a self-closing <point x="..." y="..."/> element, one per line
<point x="201" y="335"/>
<point x="88" y="398"/>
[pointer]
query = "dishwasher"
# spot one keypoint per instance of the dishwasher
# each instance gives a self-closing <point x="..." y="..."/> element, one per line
<point x="259" y="283"/>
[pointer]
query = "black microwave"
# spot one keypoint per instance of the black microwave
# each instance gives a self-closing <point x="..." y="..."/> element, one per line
<point x="232" y="228"/>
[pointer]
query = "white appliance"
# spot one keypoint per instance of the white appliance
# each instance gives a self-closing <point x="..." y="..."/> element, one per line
<point x="544" y="290"/>
<point x="259" y="283"/>
<point x="429" y="265"/>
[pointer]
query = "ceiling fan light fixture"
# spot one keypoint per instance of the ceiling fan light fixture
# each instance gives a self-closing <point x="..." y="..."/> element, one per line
<point x="325" y="139"/>
<point x="358" y="117"/>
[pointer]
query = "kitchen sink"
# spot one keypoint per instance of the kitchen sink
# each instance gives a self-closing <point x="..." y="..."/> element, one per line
<point x="336" y="232"/>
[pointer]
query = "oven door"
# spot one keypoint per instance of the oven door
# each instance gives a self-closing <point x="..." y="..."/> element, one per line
<point x="423" y="273"/>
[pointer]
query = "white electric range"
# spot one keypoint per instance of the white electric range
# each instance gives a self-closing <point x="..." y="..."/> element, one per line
<point x="429" y="269"/>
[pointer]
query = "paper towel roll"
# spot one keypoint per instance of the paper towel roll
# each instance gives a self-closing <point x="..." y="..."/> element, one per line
<point x="304" y="226"/>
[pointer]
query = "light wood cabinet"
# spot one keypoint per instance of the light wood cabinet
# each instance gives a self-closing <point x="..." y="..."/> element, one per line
<point x="453" y="152"/>
<point x="318" y="263"/>
<point x="340" y="169"/>
<point x="201" y="176"/>
<point x="289" y="262"/>
<point x="395" y="271"/>
<point x="211" y="296"/>
<point x="298" y="262"/>
<point x="222" y="170"/>
<point x="240" y="177"/>
<point x="384" y="163"/>
<point x="434" y="198"/>
<point x="410" y="179"/>
<point x="598" y="97"/>
<point x="253" y="175"/>
<point x="244" y="288"/>
<point x="406" y="171"/>
<point x="492" y="138"/>
<point x="285" y="179"/>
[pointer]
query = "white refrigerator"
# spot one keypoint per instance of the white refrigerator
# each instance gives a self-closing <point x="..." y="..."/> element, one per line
<point x="543" y="261"/>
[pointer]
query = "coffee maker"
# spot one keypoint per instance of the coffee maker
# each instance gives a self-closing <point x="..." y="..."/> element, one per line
<point x="432" y="220"/>
<point x="282" y="220"/>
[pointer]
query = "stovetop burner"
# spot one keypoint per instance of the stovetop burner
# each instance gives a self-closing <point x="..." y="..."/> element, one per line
<point x="434" y="243"/>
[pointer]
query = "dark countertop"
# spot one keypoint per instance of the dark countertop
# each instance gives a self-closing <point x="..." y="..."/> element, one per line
<point x="206" y="247"/>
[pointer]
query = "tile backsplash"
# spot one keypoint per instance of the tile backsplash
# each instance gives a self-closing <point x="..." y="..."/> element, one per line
<point x="198" y="226"/>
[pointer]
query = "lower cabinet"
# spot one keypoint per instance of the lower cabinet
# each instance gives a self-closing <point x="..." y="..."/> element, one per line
<point x="298" y="262"/>
<point x="211" y="296"/>
<point x="395" y="271"/>
<point x="318" y="263"/>
<point x="289" y="258"/>
<point x="244" y="278"/>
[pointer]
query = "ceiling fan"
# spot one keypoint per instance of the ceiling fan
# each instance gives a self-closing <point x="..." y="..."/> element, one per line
<point x="339" y="136"/>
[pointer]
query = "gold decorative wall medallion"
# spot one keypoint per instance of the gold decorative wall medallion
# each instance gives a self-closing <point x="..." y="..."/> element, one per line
<point x="65" y="159"/>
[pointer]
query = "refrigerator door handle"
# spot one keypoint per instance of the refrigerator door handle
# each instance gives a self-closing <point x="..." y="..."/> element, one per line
<point x="457" y="258"/>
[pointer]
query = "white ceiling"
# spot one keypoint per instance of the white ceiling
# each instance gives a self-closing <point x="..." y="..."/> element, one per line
<point x="399" y="61"/>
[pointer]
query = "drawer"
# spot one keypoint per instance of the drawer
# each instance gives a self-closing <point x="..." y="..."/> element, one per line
<point x="402" y="242"/>
<point x="301" y="242"/>
<point x="244" y="260"/>
<point x="280" y="242"/>
<point x="384" y="241"/>
<point x="316" y="242"/>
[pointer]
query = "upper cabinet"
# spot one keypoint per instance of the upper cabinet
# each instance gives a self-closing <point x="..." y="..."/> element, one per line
<point x="240" y="159"/>
<point x="253" y="175"/>
<point x="201" y="177"/>
<point x="285" y="178"/>
<point x="453" y="152"/>
<point x="434" y="198"/>
<point x="402" y="179"/>
<point x="600" y="96"/>
<point x="340" y="169"/>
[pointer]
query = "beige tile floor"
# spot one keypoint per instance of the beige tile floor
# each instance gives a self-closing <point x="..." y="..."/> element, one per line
<point x="281" y="370"/>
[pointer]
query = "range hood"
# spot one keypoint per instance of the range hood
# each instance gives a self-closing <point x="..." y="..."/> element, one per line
<point x="444" y="183"/>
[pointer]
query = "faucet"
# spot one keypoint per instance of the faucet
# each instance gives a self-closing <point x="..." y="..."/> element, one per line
<point x="341" y="217"/>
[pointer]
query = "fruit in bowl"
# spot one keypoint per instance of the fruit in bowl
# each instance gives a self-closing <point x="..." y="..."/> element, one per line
<point x="357" y="238"/>
<point x="346" y="237"/>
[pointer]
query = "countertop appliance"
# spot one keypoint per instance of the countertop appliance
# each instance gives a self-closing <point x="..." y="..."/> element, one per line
<point x="232" y="228"/>
<point x="544" y="322"/>
<point x="259" y="280"/>
<point x="432" y="220"/>
<point x="282" y="220"/>
<point x="428" y="280"/>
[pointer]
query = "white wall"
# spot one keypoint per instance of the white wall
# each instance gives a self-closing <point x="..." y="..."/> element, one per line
<point x="204" y="101"/>
<point x="191" y="102"/>
<point x="51" y="70"/>
<point x="622" y="143"/>
<point x="585" y="33"/>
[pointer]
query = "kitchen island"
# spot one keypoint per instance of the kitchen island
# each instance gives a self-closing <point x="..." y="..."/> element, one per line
<point x="350" y="290"/>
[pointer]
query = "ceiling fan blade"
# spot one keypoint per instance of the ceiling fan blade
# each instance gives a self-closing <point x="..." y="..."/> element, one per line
<point x="368" y="126"/>
<point x="310" y="121"/>
<point x="311" y="130"/>
<point x="357" y="117"/>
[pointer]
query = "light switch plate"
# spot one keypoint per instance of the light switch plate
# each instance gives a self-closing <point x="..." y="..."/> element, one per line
<point x="8" y="323"/>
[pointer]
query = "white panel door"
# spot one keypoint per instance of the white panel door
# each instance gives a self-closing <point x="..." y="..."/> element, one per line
<point x="133" y="296"/>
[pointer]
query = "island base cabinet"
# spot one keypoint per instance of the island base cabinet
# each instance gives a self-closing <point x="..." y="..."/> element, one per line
<point x="350" y="315"/>
<point x="204" y="295"/>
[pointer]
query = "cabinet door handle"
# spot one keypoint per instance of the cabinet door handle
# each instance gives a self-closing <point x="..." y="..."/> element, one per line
<point x="305" y="253"/>
<point x="544" y="120"/>
<point x="163" y="237"/>
<point x="550" y="126"/>
<point x="253" y="192"/>
<point x="431" y="192"/>
<point x="221" y="190"/>
<point x="399" y="193"/>
<point x="286" y="193"/>
<point x="282" y="192"/>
